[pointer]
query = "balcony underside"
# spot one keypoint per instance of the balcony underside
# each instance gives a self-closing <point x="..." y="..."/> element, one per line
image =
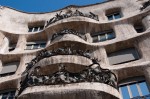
<point x="71" y="91"/>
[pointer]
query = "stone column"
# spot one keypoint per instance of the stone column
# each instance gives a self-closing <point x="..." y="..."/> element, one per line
<point x="4" y="43"/>
<point x="21" y="44"/>
<point x="147" y="75"/>
<point x="146" y="21"/>
<point x="101" y="54"/>
<point x="89" y="38"/>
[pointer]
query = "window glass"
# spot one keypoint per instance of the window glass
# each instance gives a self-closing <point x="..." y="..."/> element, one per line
<point x="36" y="29"/>
<point x="95" y="38"/>
<point x="35" y="46"/>
<point x="144" y="88"/>
<point x="110" y="17"/>
<point x="12" y="95"/>
<point x="110" y="35"/>
<point x="139" y="29"/>
<point x="41" y="28"/>
<point x="29" y="46"/>
<point x="4" y="95"/>
<point x="125" y="93"/>
<point x="134" y="90"/>
<point x="103" y="37"/>
<point x="30" y="29"/>
<point x="117" y="15"/>
<point x="42" y="45"/>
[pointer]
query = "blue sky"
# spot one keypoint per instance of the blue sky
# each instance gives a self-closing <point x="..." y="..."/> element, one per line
<point x="44" y="5"/>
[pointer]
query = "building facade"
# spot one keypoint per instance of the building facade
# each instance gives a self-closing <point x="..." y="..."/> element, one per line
<point x="100" y="51"/>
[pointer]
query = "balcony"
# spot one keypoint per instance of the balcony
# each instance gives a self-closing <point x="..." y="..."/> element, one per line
<point x="60" y="16"/>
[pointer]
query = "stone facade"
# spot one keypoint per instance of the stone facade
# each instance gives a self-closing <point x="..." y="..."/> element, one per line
<point x="86" y="52"/>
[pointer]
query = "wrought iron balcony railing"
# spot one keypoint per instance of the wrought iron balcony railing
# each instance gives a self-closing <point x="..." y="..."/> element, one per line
<point x="145" y="5"/>
<point x="66" y="50"/>
<point x="68" y="31"/>
<point x="92" y="73"/>
<point x="70" y="13"/>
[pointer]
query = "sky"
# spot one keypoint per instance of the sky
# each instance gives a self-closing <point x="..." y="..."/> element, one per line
<point x="44" y="5"/>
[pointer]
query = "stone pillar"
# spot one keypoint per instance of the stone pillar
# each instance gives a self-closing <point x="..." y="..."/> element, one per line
<point x="101" y="54"/>
<point x="146" y="21"/>
<point x="21" y="44"/>
<point x="147" y="75"/>
<point x="1" y="65"/>
<point x="89" y="38"/>
<point x="4" y="43"/>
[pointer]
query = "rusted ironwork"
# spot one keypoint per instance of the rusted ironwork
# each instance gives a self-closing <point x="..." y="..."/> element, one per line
<point x="92" y="73"/>
<point x="68" y="31"/>
<point x="60" y="16"/>
<point x="145" y="5"/>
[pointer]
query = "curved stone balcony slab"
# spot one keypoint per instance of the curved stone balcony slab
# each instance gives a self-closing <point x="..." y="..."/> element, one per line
<point x="68" y="37"/>
<point x="80" y="60"/>
<point x="72" y="62"/>
<point x="71" y="91"/>
<point x="9" y="82"/>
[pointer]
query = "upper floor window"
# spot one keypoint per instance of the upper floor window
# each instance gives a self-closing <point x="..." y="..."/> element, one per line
<point x="9" y="69"/>
<point x="35" y="28"/>
<point x="123" y="56"/>
<point x="139" y="27"/>
<point x="113" y="16"/>
<point x="35" y="45"/>
<point x="7" y="94"/>
<point x="103" y="36"/>
<point x="134" y="88"/>
<point x="12" y="47"/>
<point x="114" y="13"/>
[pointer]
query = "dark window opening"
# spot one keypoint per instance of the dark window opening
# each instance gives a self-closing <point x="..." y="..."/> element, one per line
<point x="103" y="36"/>
<point x="139" y="28"/>
<point x="114" y="16"/>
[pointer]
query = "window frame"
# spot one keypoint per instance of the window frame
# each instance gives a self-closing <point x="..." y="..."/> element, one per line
<point x="100" y="34"/>
<point x="109" y="55"/>
<point x="8" y="92"/>
<point x="32" y="45"/>
<point x="32" y="28"/>
<point x="113" y="15"/>
<point x="7" y="64"/>
<point x="136" y="81"/>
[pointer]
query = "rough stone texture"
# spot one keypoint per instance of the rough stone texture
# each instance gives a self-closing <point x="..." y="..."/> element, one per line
<point x="14" y="30"/>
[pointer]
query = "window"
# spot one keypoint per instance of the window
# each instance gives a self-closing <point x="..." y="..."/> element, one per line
<point x="139" y="28"/>
<point x="35" y="29"/>
<point x="8" y="94"/>
<point x="113" y="16"/>
<point x="103" y="36"/>
<point x="123" y="56"/>
<point x="134" y="88"/>
<point x="35" y="45"/>
<point x="9" y="69"/>
<point x="12" y="47"/>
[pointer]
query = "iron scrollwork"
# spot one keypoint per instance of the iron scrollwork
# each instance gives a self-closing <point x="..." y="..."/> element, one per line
<point x="145" y="5"/>
<point x="60" y="16"/>
<point x="67" y="50"/>
<point x="92" y="73"/>
<point x="68" y="31"/>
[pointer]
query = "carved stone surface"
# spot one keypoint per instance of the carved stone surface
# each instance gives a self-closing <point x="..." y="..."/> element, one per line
<point x="60" y="16"/>
<point x="68" y="31"/>
<point x="92" y="73"/>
